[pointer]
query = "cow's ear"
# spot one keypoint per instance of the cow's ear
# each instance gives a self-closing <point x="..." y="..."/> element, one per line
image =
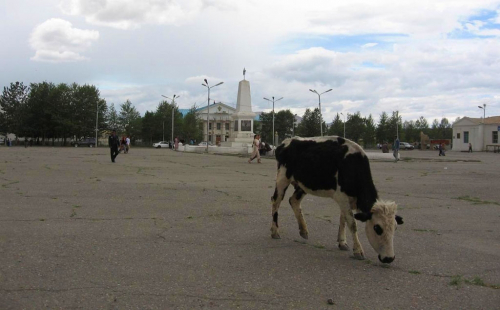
<point x="363" y="217"/>
<point x="399" y="220"/>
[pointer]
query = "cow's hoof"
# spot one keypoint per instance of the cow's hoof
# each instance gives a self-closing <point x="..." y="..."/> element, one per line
<point x="358" y="256"/>
<point x="275" y="236"/>
<point x="343" y="247"/>
<point x="304" y="234"/>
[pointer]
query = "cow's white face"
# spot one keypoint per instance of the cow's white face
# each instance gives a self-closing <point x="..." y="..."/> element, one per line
<point x="381" y="224"/>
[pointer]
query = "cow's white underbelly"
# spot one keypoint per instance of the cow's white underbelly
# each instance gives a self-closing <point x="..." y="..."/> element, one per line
<point x="320" y="193"/>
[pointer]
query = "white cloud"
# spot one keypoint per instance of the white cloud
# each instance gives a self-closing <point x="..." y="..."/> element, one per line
<point x="56" y="40"/>
<point x="130" y="14"/>
<point x="368" y="45"/>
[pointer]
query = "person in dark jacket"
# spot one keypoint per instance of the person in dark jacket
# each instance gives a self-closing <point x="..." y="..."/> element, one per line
<point x="114" y="144"/>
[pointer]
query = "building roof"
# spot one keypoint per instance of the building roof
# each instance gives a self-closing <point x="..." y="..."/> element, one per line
<point x="488" y="121"/>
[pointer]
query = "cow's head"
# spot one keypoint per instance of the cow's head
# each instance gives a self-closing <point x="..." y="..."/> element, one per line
<point x="381" y="223"/>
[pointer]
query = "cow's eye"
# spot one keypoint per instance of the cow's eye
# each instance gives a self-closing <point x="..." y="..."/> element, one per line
<point x="378" y="229"/>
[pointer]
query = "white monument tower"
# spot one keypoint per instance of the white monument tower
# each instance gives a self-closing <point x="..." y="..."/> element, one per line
<point x="243" y="117"/>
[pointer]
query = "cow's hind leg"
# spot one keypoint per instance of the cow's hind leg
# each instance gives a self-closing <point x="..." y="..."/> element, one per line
<point x="279" y="193"/>
<point x="341" y="237"/>
<point x="295" y="200"/>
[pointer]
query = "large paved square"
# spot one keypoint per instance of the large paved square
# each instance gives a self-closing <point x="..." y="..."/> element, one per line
<point x="167" y="230"/>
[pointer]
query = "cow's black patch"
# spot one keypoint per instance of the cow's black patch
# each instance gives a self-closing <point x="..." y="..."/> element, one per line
<point x="298" y="193"/>
<point x="275" y="195"/>
<point x="284" y="192"/>
<point x="275" y="218"/>
<point x="378" y="229"/>
<point x="399" y="220"/>
<point x="315" y="165"/>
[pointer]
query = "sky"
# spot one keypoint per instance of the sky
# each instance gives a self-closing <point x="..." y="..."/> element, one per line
<point x="431" y="58"/>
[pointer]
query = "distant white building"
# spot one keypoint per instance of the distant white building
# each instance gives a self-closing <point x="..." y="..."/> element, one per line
<point x="481" y="133"/>
<point x="220" y="125"/>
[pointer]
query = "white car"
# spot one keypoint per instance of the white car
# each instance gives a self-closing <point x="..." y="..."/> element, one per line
<point x="161" y="144"/>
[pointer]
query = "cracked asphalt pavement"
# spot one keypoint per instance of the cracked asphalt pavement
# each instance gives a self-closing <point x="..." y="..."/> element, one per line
<point x="165" y="230"/>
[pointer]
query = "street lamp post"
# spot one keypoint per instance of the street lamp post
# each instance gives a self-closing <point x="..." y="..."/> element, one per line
<point x="484" y="111"/>
<point x="273" y="101"/>
<point x="173" y="111"/>
<point x="344" y="122"/>
<point x="320" y="115"/>
<point x="96" y="122"/>
<point x="208" y="103"/>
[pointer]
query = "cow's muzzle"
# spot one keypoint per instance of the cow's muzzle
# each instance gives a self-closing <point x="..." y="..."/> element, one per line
<point x="386" y="260"/>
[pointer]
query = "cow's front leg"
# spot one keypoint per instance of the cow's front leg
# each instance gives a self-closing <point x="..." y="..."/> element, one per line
<point x="295" y="200"/>
<point x="279" y="193"/>
<point x="351" y="223"/>
<point x="341" y="237"/>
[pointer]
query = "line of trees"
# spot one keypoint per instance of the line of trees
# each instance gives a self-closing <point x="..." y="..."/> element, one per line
<point x="360" y="129"/>
<point x="46" y="111"/>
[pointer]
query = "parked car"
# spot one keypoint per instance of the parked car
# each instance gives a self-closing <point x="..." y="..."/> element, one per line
<point x="161" y="144"/>
<point x="2" y="140"/>
<point x="89" y="142"/>
<point x="405" y="146"/>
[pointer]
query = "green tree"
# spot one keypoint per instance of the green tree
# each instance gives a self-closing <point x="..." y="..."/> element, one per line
<point x="113" y="121"/>
<point x="130" y="120"/>
<point x="309" y="127"/>
<point x="191" y="128"/>
<point x="369" y="134"/>
<point x="395" y="125"/>
<point x="422" y="125"/>
<point x="337" y="127"/>
<point x="355" y="127"/>
<point x="12" y="108"/>
<point x="383" y="132"/>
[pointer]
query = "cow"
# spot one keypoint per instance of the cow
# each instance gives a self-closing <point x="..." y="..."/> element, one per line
<point x="336" y="168"/>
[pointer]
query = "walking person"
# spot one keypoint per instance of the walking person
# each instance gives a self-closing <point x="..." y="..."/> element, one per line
<point x="127" y="144"/>
<point x="441" y="149"/>
<point x="176" y="143"/>
<point x="255" y="153"/>
<point x="470" y="147"/>
<point x="395" y="149"/>
<point x="113" y="143"/>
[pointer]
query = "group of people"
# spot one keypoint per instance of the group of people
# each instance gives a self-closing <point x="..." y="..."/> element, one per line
<point x="117" y="146"/>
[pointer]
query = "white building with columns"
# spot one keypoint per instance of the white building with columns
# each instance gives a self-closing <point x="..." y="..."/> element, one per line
<point x="220" y="124"/>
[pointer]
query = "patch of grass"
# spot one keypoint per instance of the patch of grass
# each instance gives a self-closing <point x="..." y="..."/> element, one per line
<point x="73" y="213"/>
<point x="319" y="246"/>
<point x="424" y="174"/>
<point x="476" y="281"/>
<point x="414" y="271"/>
<point x="189" y="217"/>
<point x="10" y="183"/>
<point x="477" y="201"/>
<point x="389" y="179"/>
<point x="42" y="220"/>
<point x="76" y="206"/>
<point x="456" y="280"/>
<point x="299" y="241"/>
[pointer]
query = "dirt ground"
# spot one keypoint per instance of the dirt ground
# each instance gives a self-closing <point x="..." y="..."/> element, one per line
<point x="167" y="230"/>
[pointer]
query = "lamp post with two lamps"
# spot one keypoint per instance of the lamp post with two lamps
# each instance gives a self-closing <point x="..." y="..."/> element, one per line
<point x="273" y="101"/>
<point x="208" y="103"/>
<point x="484" y="111"/>
<point x="320" y="115"/>
<point x="173" y="111"/>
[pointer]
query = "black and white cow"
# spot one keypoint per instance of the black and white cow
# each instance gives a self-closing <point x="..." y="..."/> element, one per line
<point x="337" y="168"/>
